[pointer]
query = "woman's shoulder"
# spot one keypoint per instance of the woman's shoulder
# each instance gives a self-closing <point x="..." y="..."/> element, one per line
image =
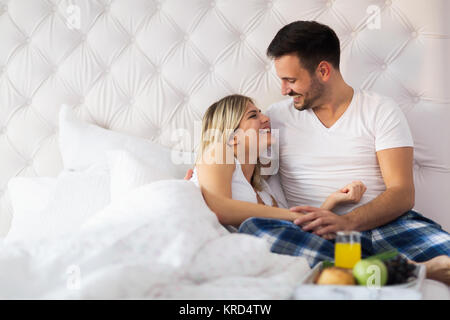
<point x="218" y="155"/>
<point x="216" y="166"/>
<point x="211" y="165"/>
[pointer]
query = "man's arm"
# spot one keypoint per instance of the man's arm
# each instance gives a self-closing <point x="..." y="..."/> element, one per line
<point x="396" y="167"/>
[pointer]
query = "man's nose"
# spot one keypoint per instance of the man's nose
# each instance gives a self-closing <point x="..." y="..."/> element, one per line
<point x="285" y="88"/>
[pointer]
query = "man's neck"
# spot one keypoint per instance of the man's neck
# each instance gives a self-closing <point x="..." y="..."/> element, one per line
<point x="338" y="99"/>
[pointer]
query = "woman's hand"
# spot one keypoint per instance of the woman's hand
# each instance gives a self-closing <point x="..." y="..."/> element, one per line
<point x="189" y="174"/>
<point x="351" y="193"/>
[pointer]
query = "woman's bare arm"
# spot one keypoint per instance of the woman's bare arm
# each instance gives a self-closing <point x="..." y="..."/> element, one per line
<point x="215" y="183"/>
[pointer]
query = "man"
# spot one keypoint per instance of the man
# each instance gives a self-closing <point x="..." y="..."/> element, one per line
<point x="331" y="134"/>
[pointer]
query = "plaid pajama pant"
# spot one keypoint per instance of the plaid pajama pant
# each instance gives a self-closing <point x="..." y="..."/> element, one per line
<point x="416" y="237"/>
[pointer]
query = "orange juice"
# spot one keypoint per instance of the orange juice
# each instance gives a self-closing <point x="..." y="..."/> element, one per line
<point x="346" y="255"/>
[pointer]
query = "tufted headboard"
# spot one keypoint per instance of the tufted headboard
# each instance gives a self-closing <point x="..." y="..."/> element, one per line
<point x="149" y="67"/>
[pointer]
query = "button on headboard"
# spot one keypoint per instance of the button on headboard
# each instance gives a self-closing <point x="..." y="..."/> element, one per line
<point x="150" y="67"/>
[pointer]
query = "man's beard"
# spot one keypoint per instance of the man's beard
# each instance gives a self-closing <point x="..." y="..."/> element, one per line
<point x="310" y="98"/>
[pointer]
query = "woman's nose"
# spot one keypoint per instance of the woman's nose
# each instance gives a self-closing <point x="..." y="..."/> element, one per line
<point x="264" y="119"/>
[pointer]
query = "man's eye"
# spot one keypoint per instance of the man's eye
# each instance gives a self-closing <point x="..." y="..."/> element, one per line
<point x="291" y="81"/>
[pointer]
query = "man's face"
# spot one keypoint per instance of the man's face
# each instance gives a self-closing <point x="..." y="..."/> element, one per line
<point x="298" y="83"/>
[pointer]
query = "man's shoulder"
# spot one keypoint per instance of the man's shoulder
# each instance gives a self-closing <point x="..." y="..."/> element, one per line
<point x="377" y="106"/>
<point x="374" y="100"/>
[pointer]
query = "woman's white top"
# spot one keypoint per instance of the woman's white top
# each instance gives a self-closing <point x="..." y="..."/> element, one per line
<point x="242" y="190"/>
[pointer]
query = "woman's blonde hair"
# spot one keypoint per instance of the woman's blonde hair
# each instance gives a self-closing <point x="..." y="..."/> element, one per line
<point x="220" y="122"/>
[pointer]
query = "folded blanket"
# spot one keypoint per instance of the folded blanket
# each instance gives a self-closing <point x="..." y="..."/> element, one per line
<point x="161" y="241"/>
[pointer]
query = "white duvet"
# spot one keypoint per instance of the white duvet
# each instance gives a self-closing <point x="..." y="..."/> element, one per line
<point x="160" y="241"/>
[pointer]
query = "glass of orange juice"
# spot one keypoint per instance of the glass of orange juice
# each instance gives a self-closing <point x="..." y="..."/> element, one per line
<point x="347" y="249"/>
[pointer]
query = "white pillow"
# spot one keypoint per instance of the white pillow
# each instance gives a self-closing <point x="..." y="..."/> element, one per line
<point x="128" y="172"/>
<point x="48" y="207"/>
<point x="31" y="193"/>
<point x="83" y="144"/>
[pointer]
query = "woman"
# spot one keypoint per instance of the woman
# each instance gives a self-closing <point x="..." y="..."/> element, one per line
<point x="228" y="169"/>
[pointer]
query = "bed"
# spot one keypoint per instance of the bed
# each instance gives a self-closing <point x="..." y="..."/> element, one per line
<point x="87" y="85"/>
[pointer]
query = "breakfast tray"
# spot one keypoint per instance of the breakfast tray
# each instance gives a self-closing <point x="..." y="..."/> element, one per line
<point x="308" y="290"/>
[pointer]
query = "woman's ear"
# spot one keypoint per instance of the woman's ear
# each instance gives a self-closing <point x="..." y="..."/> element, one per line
<point x="234" y="140"/>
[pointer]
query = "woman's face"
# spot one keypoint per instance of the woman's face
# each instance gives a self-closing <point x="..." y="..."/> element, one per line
<point x="254" y="125"/>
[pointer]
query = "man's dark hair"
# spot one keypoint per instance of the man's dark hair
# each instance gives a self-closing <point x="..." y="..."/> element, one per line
<point x="313" y="42"/>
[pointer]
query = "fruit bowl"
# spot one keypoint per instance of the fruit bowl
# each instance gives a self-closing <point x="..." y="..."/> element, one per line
<point x="397" y="279"/>
<point x="309" y="290"/>
<point x="414" y="282"/>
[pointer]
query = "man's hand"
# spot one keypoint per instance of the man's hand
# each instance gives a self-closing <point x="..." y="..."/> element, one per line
<point x="321" y="222"/>
<point x="189" y="174"/>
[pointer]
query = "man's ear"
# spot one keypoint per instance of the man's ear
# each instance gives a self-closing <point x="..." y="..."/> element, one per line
<point x="324" y="70"/>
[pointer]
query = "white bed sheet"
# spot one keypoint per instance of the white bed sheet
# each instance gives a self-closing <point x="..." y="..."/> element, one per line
<point x="160" y="241"/>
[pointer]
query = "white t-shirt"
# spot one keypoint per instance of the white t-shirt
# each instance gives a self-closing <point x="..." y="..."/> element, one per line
<point x="315" y="161"/>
